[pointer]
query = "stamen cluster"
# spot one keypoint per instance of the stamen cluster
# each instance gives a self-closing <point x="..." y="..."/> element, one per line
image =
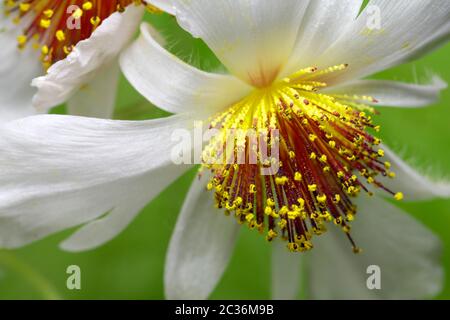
<point x="324" y="157"/>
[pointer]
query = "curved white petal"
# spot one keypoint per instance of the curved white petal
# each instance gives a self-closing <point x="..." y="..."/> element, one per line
<point x="173" y="85"/>
<point x="138" y="193"/>
<point x="17" y="69"/>
<point x="201" y="246"/>
<point x="407" y="29"/>
<point x="325" y="21"/>
<point x="407" y="254"/>
<point x="165" y="5"/>
<point x="67" y="76"/>
<point x="253" y="39"/>
<point x="97" y="98"/>
<point x="58" y="172"/>
<point x="286" y="270"/>
<point x="408" y="180"/>
<point x="391" y="93"/>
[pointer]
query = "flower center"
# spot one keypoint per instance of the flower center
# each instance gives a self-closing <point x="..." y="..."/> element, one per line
<point x="56" y="26"/>
<point x="288" y="159"/>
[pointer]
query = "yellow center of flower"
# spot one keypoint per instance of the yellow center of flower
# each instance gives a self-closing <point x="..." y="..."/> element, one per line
<point x="55" y="26"/>
<point x="287" y="160"/>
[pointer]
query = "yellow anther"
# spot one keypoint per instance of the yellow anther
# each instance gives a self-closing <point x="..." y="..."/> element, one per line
<point x="306" y="245"/>
<point x="370" y="180"/>
<point x="95" y="21"/>
<point x="238" y="201"/>
<point x="350" y="217"/>
<point x="322" y="198"/>
<point x="352" y="190"/>
<point x="270" y="202"/>
<point x="87" y="5"/>
<point x="282" y="224"/>
<point x="66" y="50"/>
<point x="252" y="188"/>
<point x="292" y="215"/>
<point x="312" y="187"/>
<point x="268" y="210"/>
<point x="77" y="14"/>
<point x="293" y="247"/>
<point x="337" y="198"/>
<point x="22" y="39"/>
<point x="312" y="137"/>
<point x="332" y="143"/>
<point x="284" y="210"/>
<point x="301" y="201"/>
<point x="45" y="23"/>
<point x="271" y="235"/>
<point x="298" y="176"/>
<point x="44" y="50"/>
<point x="380" y="152"/>
<point x="60" y="35"/>
<point x="281" y="180"/>
<point x="313" y="156"/>
<point x="230" y="207"/>
<point x="391" y="174"/>
<point x="249" y="217"/>
<point x="48" y="13"/>
<point x="387" y="165"/>
<point x="398" y="196"/>
<point x="292" y="154"/>
<point x="24" y="7"/>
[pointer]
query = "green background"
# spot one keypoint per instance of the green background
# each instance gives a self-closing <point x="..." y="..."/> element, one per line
<point x="131" y="266"/>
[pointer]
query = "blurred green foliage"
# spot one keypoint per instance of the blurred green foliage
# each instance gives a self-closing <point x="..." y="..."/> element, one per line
<point x="131" y="265"/>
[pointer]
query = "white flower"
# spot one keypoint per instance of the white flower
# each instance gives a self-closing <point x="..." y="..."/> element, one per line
<point x="85" y="77"/>
<point x="58" y="172"/>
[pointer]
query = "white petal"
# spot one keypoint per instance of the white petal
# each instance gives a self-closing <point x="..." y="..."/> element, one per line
<point x="408" y="28"/>
<point x="98" y="97"/>
<point x="67" y="76"/>
<point x="392" y="93"/>
<point x="408" y="180"/>
<point x="173" y="85"/>
<point x="253" y="39"/>
<point x="58" y="172"/>
<point x="325" y="21"/>
<point x="165" y="5"/>
<point x="17" y="69"/>
<point x="286" y="270"/>
<point x="139" y="192"/>
<point x="407" y="253"/>
<point x="201" y="246"/>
